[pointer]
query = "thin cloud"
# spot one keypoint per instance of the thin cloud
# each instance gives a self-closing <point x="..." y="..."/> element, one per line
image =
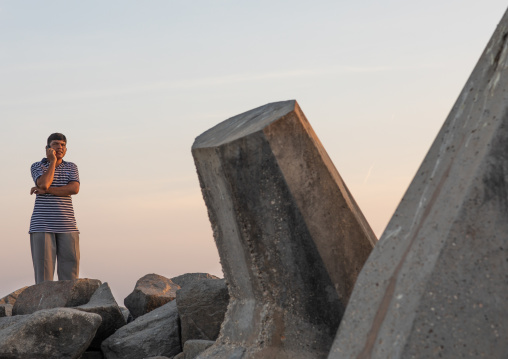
<point x="209" y="82"/>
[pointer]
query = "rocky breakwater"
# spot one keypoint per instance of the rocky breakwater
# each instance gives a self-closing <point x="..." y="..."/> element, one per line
<point x="81" y="319"/>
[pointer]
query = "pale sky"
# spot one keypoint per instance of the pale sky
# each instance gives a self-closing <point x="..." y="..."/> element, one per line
<point x="132" y="83"/>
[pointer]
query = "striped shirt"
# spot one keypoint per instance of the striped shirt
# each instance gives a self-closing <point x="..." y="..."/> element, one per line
<point x="51" y="213"/>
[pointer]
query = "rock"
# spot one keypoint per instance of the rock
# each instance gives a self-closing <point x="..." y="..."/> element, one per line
<point x="92" y="355"/>
<point x="184" y="279"/>
<point x="436" y="284"/>
<point x="5" y="310"/>
<point x="201" y="306"/>
<point x="192" y="348"/>
<point x="180" y="356"/>
<point x="57" y="294"/>
<point x="159" y="357"/>
<point x="11" y="298"/>
<point x="126" y="314"/>
<point x="150" y="292"/>
<point x="156" y="333"/>
<point x="290" y="236"/>
<point x="103" y="303"/>
<point x="52" y="333"/>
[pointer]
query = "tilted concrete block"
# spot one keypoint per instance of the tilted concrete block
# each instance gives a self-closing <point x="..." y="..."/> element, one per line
<point x="436" y="284"/>
<point x="290" y="236"/>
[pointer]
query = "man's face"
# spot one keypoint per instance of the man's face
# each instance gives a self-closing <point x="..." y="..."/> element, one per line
<point x="60" y="148"/>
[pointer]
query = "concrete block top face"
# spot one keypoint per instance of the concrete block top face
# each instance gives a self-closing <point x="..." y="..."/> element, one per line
<point x="290" y="236"/>
<point x="244" y="124"/>
<point x="435" y="285"/>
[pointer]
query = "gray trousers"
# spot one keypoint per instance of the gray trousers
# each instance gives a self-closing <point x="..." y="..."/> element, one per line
<point x="47" y="248"/>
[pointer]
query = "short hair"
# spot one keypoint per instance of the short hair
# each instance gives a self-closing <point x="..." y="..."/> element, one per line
<point x="56" y="136"/>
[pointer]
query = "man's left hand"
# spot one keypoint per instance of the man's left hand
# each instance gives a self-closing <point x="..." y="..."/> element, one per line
<point x="37" y="190"/>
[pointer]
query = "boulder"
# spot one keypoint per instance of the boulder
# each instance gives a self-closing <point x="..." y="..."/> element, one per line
<point x="12" y="297"/>
<point x="290" y="236"/>
<point x="5" y="310"/>
<point x="52" y="333"/>
<point x="202" y="305"/>
<point x="55" y="294"/>
<point x="180" y="356"/>
<point x="436" y="285"/>
<point x="156" y="333"/>
<point x="184" y="279"/>
<point x="103" y="303"/>
<point x="150" y="292"/>
<point x="126" y="314"/>
<point x="192" y="348"/>
<point x="92" y="355"/>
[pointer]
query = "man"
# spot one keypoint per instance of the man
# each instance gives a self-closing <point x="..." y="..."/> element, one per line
<point x="53" y="231"/>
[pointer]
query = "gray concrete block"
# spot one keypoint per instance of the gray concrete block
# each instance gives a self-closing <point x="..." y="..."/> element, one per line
<point x="289" y="234"/>
<point x="436" y="283"/>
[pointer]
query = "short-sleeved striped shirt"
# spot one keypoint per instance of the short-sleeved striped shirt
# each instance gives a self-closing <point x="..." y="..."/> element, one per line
<point x="51" y="213"/>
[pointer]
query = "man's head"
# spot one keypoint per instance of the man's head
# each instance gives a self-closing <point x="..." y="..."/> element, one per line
<point x="58" y="143"/>
<point x="56" y="136"/>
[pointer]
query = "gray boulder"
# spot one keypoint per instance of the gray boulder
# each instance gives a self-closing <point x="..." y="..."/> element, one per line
<point x="126" y="314"/>
<point x="150" y="292"/>
<point x="5" y="310"/>
<point x="53" y="333"/>
<point x="184" y="279"/>
<point x="202" y="305"/>
<point x="92" y="355"/>
<point x="104" y="304"/>
<point x="154" y="334"/>
<point x="12" y="297"/>
<point x="192" y="348"/>
<point x="57" y="294"/>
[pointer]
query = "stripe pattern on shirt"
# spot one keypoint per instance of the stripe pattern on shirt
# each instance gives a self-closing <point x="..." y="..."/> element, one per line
<point x="51" y="213"/>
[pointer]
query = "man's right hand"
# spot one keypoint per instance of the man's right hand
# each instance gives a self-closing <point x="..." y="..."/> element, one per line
<point x="51" y="154"/>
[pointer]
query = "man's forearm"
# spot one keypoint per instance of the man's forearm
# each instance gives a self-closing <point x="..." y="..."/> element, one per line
<point x="46" y="179"/>
<point x="64" y="191"/>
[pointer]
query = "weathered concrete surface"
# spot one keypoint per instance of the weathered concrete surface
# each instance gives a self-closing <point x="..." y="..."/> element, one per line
<point x="436" y="285"/>
<point x="151" y="292"/>
<point x="290" y="236"/>
<point x="63" y="293"/>
<point x="103" y="303"/>
<point x="202" y="305"/>
<point x="52" y="333"/>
